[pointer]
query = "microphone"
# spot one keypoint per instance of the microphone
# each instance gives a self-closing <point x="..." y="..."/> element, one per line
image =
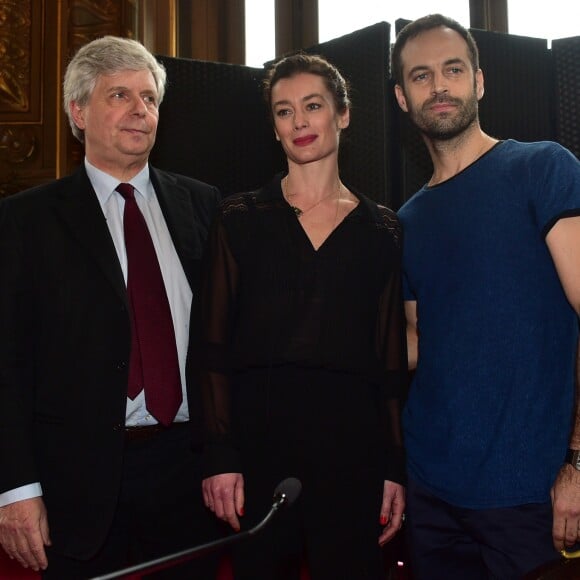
<point x="285" y="494"/>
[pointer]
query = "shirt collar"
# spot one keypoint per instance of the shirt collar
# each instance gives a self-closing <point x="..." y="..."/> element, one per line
<point x="105" y="184"/>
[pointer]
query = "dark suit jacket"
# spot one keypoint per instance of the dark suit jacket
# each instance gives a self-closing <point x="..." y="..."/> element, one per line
<point x="65" y="341"/>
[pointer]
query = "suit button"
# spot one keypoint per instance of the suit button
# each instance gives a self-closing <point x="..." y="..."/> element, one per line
<point x="121" y="366"/>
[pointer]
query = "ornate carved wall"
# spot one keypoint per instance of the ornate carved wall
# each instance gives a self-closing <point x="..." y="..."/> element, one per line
<point x="36" y="39"/>
<point x="86" y="20"/>
<point x="22" y="102"/>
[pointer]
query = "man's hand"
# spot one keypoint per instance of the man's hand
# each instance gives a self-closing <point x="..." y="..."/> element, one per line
<point x="392" y="510"/>
<point x="566" y="507"/>
<point x="223" y="494"/>
<point x="24" y="532"/>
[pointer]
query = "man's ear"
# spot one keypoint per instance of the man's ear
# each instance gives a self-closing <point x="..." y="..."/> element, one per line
<point x="400" y="95"/>
<point x="78" y="114"/>
<point x="479" y="84"/>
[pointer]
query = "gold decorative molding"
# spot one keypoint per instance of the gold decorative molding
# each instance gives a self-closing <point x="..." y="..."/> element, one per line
<point x="37" y="39"/>
<point x="17" y="145"/>
<point x="87" y="20"/>
<point x="90" y="19"/>
<point x="15" y="70"/>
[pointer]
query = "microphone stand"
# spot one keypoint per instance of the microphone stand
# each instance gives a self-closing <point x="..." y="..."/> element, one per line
<point x="280" y="499"/>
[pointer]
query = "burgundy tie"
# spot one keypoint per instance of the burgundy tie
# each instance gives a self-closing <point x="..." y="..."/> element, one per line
<point x="153" y="365"/>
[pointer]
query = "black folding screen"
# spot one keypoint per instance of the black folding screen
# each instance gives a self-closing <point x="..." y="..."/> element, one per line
<point x="531" y="94"/>
<point x="366" y="146"/>
<point x="519" y="96"/>
<point x="214" y="125"/>
<point x="566" y="58"/>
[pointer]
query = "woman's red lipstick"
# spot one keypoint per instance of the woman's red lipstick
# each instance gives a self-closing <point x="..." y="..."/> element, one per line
<point x="306" y="140"/>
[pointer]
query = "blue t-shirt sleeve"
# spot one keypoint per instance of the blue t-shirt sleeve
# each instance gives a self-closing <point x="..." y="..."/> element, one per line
<point x="558" y="170"/>
<point x="408" y="293"/>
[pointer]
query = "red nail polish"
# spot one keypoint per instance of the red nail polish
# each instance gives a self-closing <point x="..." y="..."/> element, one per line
<point x="383" y="520"/>
<point x="242" y="512"/>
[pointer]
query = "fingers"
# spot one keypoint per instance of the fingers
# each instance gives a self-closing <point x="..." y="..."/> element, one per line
<point x="565" y="533"/>
<point x="206" y="493"/>
<point x="391" y="515"/>
<point x="388" y="534"/>
<point x="45" y="531"/>
<point x="24" y="531"/>
<point x="224" y="495"/>
<point x="225" y="509"/>
<point x="566" y="508"/>
<point x="572" y="533"/>
<point x="565" y="530"/>
<point x="392" y="526"/>
<point x="31" y="553"/>
<point x="239" y="498"/>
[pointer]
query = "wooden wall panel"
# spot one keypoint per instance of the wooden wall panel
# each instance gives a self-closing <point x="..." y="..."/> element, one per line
<point x="27" y="152"/>
<point x="212" y="30"/>
<point x="83" y="21"/>
<point x="37" y="38"/>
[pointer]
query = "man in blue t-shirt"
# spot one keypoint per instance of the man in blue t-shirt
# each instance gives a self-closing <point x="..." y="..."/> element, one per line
<point x="492" y="290"/>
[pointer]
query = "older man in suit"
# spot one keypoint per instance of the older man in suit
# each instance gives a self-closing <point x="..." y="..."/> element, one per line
<point x="97" y="468"/>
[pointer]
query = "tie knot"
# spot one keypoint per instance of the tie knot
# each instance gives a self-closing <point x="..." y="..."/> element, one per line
<point x="126" y="190"/>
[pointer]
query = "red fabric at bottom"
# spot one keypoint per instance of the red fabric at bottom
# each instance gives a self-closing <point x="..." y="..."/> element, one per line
<point x="11" y="570"/>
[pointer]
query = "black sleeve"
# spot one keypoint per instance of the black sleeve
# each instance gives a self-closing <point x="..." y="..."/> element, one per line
<point x="216" y="307"/>
<point x="391" y="347"/>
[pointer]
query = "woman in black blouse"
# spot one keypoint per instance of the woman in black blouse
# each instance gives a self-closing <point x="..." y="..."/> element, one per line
<point x="302" y="358"/>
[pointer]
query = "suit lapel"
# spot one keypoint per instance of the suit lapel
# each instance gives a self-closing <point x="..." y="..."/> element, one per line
<point x="82" y="213"/>
<point x="175" y="202"/>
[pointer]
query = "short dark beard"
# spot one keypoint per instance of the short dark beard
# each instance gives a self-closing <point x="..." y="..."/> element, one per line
<point x="445" y="128"/>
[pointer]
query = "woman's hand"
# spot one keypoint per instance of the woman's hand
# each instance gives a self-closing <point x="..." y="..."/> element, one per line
<point x="223" y="494"/>
<point x="392" y="510"/>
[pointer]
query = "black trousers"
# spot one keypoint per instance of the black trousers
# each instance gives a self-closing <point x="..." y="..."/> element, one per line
<point x="160" y="511"/>
<point x="322" y="428"/>
<point x="447" y="542"/>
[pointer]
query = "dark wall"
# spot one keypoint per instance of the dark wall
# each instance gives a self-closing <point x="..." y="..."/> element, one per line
<point x="531" y="94"/>
<point x="566" y="66"/>
<point x="215" y="126"/>
<point x="366" y="146"/>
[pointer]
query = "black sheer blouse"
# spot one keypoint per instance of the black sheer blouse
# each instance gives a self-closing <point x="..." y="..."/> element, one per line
<point x="268" y="298"/>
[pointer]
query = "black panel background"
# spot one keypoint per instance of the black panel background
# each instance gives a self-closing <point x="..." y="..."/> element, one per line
<point x="566" y="55"/>
<point x="519" y="101"/>
<point x="214" y="125"/>
<point x="366" y="149"/>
